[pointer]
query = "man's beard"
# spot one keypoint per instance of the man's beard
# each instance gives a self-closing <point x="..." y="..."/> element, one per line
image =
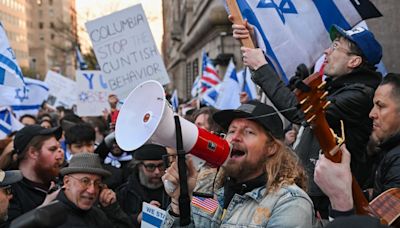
<point x="46" y="173"/>
<point x="145" y="181"/>
<point x="373" y="146"/>
<point x="240" y="171"/>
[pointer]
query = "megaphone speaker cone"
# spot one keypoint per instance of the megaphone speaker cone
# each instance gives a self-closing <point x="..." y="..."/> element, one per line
<point x="140" y="115"/>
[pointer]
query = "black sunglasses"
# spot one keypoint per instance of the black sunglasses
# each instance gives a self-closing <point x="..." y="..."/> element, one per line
<point x="151" y="167"/>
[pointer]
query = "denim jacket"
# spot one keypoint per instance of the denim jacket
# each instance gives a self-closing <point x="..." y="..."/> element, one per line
<point x="290" y="206"/>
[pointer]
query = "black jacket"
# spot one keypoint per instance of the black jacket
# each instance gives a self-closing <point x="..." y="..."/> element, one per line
<point x="351" y="101"/>
<point x="132" y="194"/>
<point x="26" y="196"/>
<point x="111" y="216"/>
<point x="387" y="174"/>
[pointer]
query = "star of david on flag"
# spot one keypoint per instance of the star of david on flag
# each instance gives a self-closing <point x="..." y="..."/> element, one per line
<point x="294" y="32"/>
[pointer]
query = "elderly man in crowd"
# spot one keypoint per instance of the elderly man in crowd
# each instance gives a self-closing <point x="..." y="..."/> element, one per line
<point x="264" y="179"/>
<point x="82" y="190"/>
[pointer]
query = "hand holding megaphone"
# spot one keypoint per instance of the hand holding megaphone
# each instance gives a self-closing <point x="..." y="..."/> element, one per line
<point x="146" y="117"/>
<point x="171" y="179"/>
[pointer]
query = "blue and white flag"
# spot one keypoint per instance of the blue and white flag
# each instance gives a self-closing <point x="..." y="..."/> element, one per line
<point x="36" y="92"/>
<point x="247" y="84"/>
<point x="80" y="60"/>
<point x="294" y="32"/>
<point x="210" y="96"/>
<point x="196" y="87"/>
<point x="174" y="101"/>
<point x="10" y="72"/>
<point x="8" y="122"/>
<point x="229" y="91"/>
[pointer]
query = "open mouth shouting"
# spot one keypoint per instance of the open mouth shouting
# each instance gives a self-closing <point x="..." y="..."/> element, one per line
<point x="237" y="153"/>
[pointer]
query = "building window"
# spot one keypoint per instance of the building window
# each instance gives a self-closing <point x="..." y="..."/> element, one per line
<point x="195" y="69"/>
<point x="41" y="25"/>
<point x="52" y="36"/>
<point x="52" y="25"/>
<point x="189" y="80"/>
<point x="50" y="2"/>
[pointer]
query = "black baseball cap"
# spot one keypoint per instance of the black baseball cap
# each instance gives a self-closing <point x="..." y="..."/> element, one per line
<point x="26" y="134"/>
<point x="255" y="111"/>
<point x="9" y="177"/>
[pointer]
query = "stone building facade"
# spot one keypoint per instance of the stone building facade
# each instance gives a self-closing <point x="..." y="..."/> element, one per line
<point x="33" y="29"/>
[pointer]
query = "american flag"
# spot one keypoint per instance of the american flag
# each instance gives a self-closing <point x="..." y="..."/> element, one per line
<point x="209" y="77"/>
<point x="207" y="204"/>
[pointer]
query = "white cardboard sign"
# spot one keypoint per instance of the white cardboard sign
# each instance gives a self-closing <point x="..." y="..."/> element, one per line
<point x="62" y="90"/>
<point x="126" y="51"/>
<point x="152" y="216"/>
<point x="92" y="96"/>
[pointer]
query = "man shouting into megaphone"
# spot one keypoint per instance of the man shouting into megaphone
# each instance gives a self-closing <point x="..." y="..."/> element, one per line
<point x="264" y="182"/>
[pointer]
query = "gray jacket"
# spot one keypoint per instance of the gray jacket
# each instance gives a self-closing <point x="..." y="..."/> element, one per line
<point x="290" y="206"/>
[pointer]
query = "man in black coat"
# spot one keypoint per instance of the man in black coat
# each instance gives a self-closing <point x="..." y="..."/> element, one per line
<point x="144" y="184"/>
<point x="40" y="158"/>
<point x="351" y="82"/>
<point x="335" y="178"/>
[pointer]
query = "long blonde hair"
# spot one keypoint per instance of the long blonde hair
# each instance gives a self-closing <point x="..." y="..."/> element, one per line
<point x="284" y="168"/>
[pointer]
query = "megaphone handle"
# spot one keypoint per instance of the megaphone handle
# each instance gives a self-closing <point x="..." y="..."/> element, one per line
<point x="184" y="200"/>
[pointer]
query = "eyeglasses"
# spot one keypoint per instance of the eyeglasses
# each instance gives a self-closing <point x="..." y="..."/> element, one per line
<point x="7" y="190"/>
<point x="336" y="47"/>
<point x="152" y="167"/>
<point x="86" y="182"/>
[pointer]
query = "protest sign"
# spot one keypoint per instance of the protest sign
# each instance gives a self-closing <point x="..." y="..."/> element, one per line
<point x="125" y="50"/>
<point x="92" y="96"/>
<point x="152" y="216"/>
<point x="62" y="90"/>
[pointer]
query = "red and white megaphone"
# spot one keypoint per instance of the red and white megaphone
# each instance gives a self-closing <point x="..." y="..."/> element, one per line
<point x="146" y="117"/>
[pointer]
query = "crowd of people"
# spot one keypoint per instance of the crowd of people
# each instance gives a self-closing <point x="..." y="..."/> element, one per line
<point x="275" y="176"/>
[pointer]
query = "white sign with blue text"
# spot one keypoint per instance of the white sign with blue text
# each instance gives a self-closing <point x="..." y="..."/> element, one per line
<point x="62" y="90"/>
<point x="152" y="216"/>
<point x="92" y="97"/>
<point x="126" y="51"/>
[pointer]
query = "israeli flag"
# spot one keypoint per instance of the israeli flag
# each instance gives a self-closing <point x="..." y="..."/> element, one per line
<point x="229" y="92"/>
<point x="247" y="84"/>
<point x="10" y="72"/>
<point x="210" y="97"/>
<point x="80" y="60"/>
<point x="8" y="122"/>
<point x="174" y="101"/>
<point x="295" y="32"/>
<point x="30" y="101"/>
<point x="196" y="87"/>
